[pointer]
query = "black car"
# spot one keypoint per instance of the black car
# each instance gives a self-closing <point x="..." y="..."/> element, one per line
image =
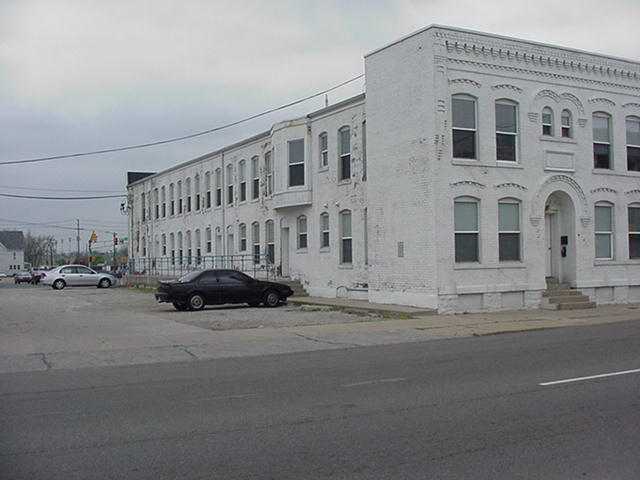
<point x="215" y="287"/>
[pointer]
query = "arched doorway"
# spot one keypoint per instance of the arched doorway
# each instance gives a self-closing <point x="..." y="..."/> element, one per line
<point x="560" y="237"/>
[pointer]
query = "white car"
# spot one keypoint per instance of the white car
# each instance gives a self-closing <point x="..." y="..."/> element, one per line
<point x="77" y="276"/>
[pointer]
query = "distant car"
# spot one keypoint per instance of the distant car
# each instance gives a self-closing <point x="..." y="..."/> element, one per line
<point x="37" y="275"/>
<point x="215" y="287"/>
<point x="22" y="277"/>
<point x="77" y="276"/>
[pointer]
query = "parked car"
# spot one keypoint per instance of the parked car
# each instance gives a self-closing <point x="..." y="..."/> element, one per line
<point x="76" y="276"/>
<point x="22" y="277"/>
<point x="215" y="287"/>
<point x="37" y="275"/>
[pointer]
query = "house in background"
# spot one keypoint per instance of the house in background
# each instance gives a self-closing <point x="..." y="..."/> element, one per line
<point x="11" y="251"/>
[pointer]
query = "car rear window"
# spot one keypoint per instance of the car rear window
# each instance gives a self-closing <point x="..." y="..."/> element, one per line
<point x="189" y="277"/>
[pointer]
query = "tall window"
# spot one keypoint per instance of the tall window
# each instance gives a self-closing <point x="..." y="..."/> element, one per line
<point x="601" y="140"/>
<point x="509" y="230"/>
<point x="163" y="199"/>
<point x="144" y="208"/>
<point x="323" y="149"/>
<point x="179" y="197"/>
<point x="633" y="143"/>
<point x="255" y="238"/>
<point x="187" y="187"/>
<point x="164" y="244"/>
<point x="208" y="239"/>
<point x="268" y="168"/>
<point x="547" y="121"/>
<point x="634" y="231"/>
<point x="346" y="240"/>
<point x="230" y="245"/>
<point x="196" y="185"/>
<point x="255" y="178"/>
<point x="144" y="247"/>
<point x="604" y="231"/>
<point x="566" y="124"/>
<point x="218" y="187"/>
<point x="180" y="248"/>
<point x="198" y="247"/>
<point x="172" y="200"/>
<point x="324" y="230"/>
<point x="242" y="234"/>
<point x="229" y="184"/>
<point x="465" y="212"/>
<point x="296" y="162"/>
<point x="242" y="176"/>
<point x="172" y="246"/>
<point x="156" y="204"/>
<point x="218" y="241"/>
<point x="269" y="233"/>
<point x="344" y="153"/>
<point x="463" y="110"/>
<point x="188" y="242"/>
<point x="302" y="231"/>
<point x="207" y="185"/>
<point x="506" y="131"/>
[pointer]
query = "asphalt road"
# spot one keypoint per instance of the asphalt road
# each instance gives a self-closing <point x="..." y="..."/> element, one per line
<point x="460" y="408"/>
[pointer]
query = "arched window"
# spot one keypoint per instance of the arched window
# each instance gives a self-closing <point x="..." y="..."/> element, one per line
<point x="302" y="232"/>
<point x="198" y="247"/>
<point x="218" y="187"/>
<point x="467" y="230"/>
<point x="230" y="241"/>
<point x="242" y="235"/>
<point x="634" y="230"/>
<point x="242" y="176"/>
<point x="547" y="121"/>
<point x="567" y="124"/>
<point x="324" y="230"/>
<point x="255" y="178"/>
<point x="180" y="248"/>
<point x="164" y="245"/>
<point x="156" y="204"/>
<point x="172" y="247"/>
<point x="229" y="181"/>
<point x="269" y="233"/>
<point x="506" y="131"/>
<point x="633" y="143"/>
<point x="344" y="153"/>
<point x="346" y="238"/>
<point x="509" y="230"/>
<point x="189" y="250"/>
<point x="172" y="200"/>
<point x="208" y="239"/>
<point x="196" y="187"/>
<point x="163" y="199"/>
<point x="323" y="149"/>
<point x="463" y="108"/>
<point x="602" y="140"/>
<point x="218" y="241"/>
<point x="604" y="230"/>
<point x="255" y="239"/>
<point x="207" y="186"/>
<point x="179" y="197"/>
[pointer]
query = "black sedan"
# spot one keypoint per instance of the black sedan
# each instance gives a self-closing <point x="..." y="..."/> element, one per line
<point x="215" y="287"/>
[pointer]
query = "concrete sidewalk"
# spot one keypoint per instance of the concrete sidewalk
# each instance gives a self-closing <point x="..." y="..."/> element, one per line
<point x="349" y="305"/>
<point x="198" y="344"/>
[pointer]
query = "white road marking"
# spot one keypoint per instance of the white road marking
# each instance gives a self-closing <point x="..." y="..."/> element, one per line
<point x="371" y="382"/>
<point x="590" y="377"/>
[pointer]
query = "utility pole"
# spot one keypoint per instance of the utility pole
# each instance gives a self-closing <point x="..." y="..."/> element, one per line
<point x="78" y="235"/>
<point x="115" y="244"/>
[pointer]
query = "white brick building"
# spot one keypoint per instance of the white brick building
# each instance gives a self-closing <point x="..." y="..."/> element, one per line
<point x="491" y="163"/>
<point x="11" y="251"/>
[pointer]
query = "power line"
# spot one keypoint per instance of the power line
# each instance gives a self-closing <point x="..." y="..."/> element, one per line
<point x="10" y="195"/>
<point x="42" y="189"/>
<point x="184" y="137"/>
<point x="61" y="227"/>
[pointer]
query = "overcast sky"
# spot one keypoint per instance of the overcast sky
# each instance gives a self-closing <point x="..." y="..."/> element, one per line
<point x="78" y="75"/>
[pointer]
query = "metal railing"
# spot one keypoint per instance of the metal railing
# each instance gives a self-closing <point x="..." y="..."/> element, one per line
<point x="258" y="266"/>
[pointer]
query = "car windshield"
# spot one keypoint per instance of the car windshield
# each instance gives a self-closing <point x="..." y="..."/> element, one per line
<point x="189" y="276"/>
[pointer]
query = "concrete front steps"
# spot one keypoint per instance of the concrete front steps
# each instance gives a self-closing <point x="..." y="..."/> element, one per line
<point x="295" y="285"/>
<point x="561" y="297"/>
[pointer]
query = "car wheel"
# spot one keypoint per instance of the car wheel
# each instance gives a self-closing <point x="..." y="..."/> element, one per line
<point x="196" y="302"/>
<point x="104" y="283"/>
<point x="59" y="284"/>
<point x="271" y="299"/>
<point x="181" y="307"/>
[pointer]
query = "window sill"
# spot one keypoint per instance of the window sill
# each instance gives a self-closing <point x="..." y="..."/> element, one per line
<point x="302" y="250"/>
<point x="479" y="266"/>
<point x="346" y="181"/>
<point x="552" y="139"/>
<point x="616" y="263"/>
<point x="345" y="266"/>
<point x="508" y="164"/>
<point x="606" y="171"/>
<point x="464" y="161"/>
<point x="325" y="249"/>
<point x="323" y="169"/>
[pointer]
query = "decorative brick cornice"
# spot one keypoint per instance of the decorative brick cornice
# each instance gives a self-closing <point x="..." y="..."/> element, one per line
<point x="506" y="86"/>
<point x="466" y="183"/>
<point x="464" y="81"/>
<point x="602" y="101"/>
<point x="511" y="185"/>
<point x="603" y="190"/>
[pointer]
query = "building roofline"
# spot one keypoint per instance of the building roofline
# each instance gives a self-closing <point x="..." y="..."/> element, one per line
<point x="335" y="106"/>
<point x="502" y="37"/>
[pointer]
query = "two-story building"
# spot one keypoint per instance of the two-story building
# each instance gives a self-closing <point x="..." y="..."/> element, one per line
<point x="11" y="251"/>
<point x="487" y="165"/>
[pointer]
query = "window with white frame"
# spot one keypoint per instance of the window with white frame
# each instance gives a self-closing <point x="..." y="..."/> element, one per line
<point x="172" y="200"/>
<point x="198" y="247"/>
<point x="324" y="230"/>
<point x="163" y="199"/>
<point x="268" y="169"/>
<point x="187" y="239"/>
<point x="346" y="238"/>
<point x="164" y="244"/>
<point x="218" y="241"/>
<point x="156" y="204"/>
<point x="633" y="143"/>
<point x="208" y="239"/>
<point x="506" y="131"/>
<point x="463" y="110"/>
<point x="242" y="178"/>
<point x="467" y="232"/>
<point x="296" y="162"/>
<point x="509" y="230"/>
<point x="180" y="248"/>
<point x="229" y="180"/>
<point x="323" y="149"/>
<point x="302" y="232"/>
<point x="634" y="231"/>
<point x="566" y="121"/>
<point x="207" y="186"/>
<point x="344" y="153"/>
<point x="143" y="205"/>
<point x="144" y="247"/>
<point x="187" y="187"/>
<point x="172" y="247"/>
<point x="601" y="140"/>
<point x="255" y="238"/>
<point x="218" y="187"/>
<point x="230" y="241"/>
<point x="196" y="182"/>
<point x="179" y="197"/>
<point x="604" y="231"/>
<point x="547" y="121"/>
<point x="269" y="233"/>
<point x="242" y="234"/>
<point x="255" y="178"/>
